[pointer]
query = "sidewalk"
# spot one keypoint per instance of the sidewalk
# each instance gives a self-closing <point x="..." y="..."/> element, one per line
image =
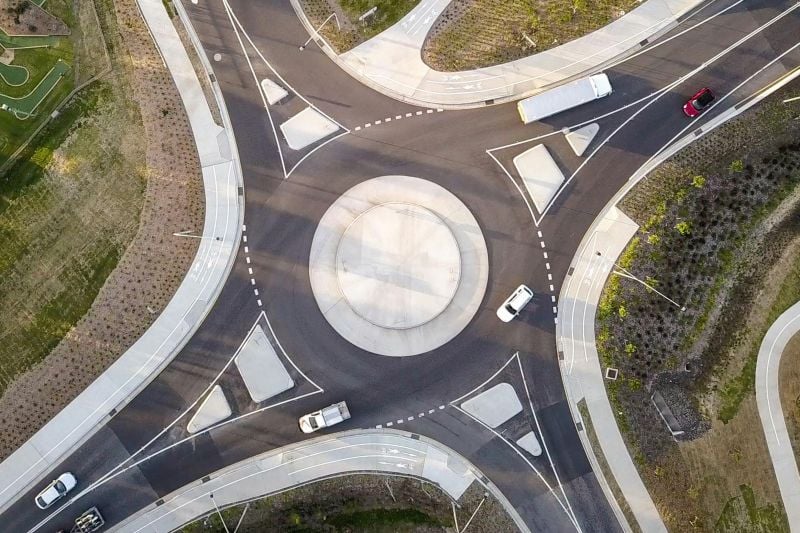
<point x="773" y="421"/>
<point x="391" y="62"/>
<point x="384" y="451"/>
<point x="191" y="302"/>
<point x="580" y="364"/>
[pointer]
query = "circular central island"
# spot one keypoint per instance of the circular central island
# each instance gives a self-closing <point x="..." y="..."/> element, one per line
<point x="398" y="265"/>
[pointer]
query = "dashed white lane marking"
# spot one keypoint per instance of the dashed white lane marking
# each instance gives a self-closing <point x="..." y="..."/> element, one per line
<point x="244" y="227"/>
<point x="547" y="266"/>
<point x="252" y="281"/>
<point x="553" y="298"/>
<point x="545" y="254"/>
<point x="244" y="238"/>
<point x="549" y="277"/>
<point x="396" y="118"/>
<point x="539" y="233"/>
<point x="250" y="271"/>
<point x="258" y="302"/>
<point x="246" y="250"/>
<point x="542" y="243"/>
<point x="552" y="288"/>
<point x="399" y="421"/>
<point x="247" y="259"/>
<point x="555" y="310"/>
<point x="255" y="291"/>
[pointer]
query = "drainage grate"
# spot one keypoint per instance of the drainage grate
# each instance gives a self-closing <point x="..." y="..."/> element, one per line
<point x="205" y="479"/>
<point x="489" y="102"/>
<point x="570" y="271"/>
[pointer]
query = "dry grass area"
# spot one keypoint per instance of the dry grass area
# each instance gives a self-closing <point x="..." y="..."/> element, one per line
<point x="479" y="33"/>
<point x="789" y="377"/>
<point x="132" y="152"/>
<point x="719" y="231"/>
<point x="364" y="503"/>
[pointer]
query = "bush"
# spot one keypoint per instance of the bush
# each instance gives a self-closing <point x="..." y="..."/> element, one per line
<point x="683" y="227"/>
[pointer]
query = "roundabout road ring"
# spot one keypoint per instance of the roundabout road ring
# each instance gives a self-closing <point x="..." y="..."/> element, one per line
<point x="398" y="265"/>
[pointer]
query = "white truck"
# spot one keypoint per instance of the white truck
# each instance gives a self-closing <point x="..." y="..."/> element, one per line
<point x="333" y="414"/>
<point x="563" y="97"/>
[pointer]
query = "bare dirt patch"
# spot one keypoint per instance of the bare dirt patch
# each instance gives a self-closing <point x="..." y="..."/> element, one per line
<point x="480" y="33"/>
<point x="365" y="503"/>
<point x="154" y="263"/>
<point x="23" y="17"/>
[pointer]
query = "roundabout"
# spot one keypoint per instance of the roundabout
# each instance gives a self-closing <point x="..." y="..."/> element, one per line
<point x="398" y="265"/>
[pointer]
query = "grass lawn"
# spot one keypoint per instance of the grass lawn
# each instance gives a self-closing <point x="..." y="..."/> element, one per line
<point x="68" y="208"/>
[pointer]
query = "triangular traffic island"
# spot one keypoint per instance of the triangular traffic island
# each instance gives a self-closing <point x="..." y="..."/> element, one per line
<point x="215" y="408"/>
<point x="261" y="369"/>
<point x="530" y="444"/>
<point x="540" y="174"/>
<point x="307" y="127"/>
<point x="494" y="406"/>
<point x="581" y="138"/>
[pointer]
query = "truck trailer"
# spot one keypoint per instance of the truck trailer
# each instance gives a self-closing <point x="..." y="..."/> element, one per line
<point x="563" y="97"/>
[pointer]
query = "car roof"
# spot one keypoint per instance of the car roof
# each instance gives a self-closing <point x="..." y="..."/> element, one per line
<point x="49" y="494"/>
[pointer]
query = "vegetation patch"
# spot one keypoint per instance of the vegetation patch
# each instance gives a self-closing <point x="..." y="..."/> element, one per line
<point x="87" y="212"/>
<point x="715" y="221"/>
<point x="351" y="31"/>
<point x="473" y="34"/>
<point x="362" y="503"/>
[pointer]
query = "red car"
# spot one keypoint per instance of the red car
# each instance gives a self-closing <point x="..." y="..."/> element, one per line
<point x="698" y="103"/>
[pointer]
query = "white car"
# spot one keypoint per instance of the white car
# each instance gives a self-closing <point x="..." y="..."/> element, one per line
<point x="514" y="303"/>
<point x="56" y="490"/>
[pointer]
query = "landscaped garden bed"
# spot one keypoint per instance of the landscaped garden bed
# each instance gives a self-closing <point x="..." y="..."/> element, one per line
<point x="715" y="221"/>
<point x="472" y="34"/>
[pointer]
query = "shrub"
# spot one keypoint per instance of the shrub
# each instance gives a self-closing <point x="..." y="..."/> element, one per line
<point x="622" y="312"/>
<point x="737" y="165"/>
<point x="653" y="239"/>
<point x="698" y="181"/>
<point x="683" y="227"/>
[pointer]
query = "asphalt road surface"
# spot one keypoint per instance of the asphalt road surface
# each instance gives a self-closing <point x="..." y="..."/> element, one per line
<point x="146" y="445"/>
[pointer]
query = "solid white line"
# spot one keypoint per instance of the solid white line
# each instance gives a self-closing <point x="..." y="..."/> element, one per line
<point x="544" y="442"/>
<point x="490" y="378"/>
<point x="541" y="477"/>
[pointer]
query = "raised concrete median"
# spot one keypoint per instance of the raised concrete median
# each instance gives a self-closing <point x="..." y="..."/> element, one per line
<point x="377" y="451"/>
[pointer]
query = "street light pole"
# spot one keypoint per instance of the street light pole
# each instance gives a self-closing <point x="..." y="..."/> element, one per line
<point x="211" y="494"/>
<point x="626" y="274"/>
<point x="316" y="32"/>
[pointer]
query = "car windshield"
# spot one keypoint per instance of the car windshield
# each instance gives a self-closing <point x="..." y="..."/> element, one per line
<point x="60" y="487"/>
<point x="704" y="99"/>
<point x="312" y="422"/>
<point x="510" y="308"/>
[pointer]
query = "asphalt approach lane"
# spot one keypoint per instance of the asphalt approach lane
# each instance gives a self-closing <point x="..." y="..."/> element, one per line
<point x="281" y="217"/>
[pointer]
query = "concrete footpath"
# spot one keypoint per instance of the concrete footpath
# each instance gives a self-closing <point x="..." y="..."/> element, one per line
<point x="773" y="422"/>
<point x="191" y="302"/>
<point x="391" y="62"/>
<point x="580" y="364"/>
<point x="375" y="451"/>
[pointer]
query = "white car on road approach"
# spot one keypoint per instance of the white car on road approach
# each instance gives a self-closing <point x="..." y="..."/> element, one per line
<point x="56" y="490"/>
<point x="514" y="304"/>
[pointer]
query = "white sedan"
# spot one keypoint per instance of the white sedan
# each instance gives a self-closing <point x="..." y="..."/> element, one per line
<point x="514" y="303"/>
<point x="56" y="490"/>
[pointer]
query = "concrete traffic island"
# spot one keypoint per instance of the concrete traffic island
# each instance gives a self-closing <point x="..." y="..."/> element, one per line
<point x="398" y="265"/>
